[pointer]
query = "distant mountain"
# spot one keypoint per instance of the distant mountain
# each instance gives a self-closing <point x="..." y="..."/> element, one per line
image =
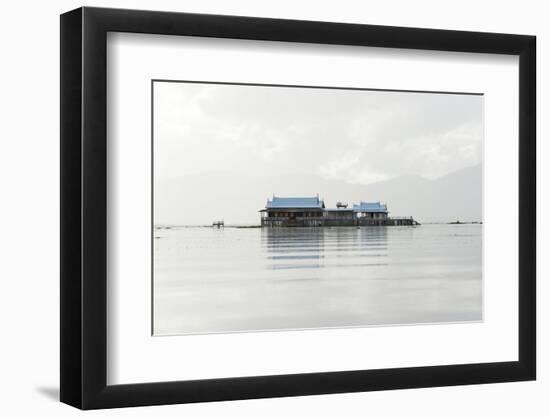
<point x="236" y="198"/>
<point x="456" y="196"/>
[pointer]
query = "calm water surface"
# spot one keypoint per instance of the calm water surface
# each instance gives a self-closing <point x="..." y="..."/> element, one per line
<point x="237" y="279"/>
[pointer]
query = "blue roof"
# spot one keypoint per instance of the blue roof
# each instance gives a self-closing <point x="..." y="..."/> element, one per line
<point x="364" y="206"/>
<point x="295" y="202"/>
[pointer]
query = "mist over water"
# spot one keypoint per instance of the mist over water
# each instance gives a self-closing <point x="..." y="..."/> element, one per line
<point x="209" y="280"/>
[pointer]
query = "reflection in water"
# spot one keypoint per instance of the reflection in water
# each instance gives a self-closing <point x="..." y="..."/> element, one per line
<point x="324" y="245"/>
<point x="222" y="280"/>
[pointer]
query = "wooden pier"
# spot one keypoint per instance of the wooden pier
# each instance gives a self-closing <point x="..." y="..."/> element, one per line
<point x="323" y="221"/>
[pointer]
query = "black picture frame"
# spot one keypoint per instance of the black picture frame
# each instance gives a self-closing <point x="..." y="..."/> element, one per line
<point x="84" y="208"/>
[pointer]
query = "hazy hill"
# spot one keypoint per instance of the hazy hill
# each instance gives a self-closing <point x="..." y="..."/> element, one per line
<point x="237" y="198"/>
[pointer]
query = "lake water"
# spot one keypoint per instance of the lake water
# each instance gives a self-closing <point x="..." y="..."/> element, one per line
<point x="210" y="280"/>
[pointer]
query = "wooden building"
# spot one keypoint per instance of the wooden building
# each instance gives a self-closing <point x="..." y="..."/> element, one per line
<point x="311" y="212"/>
<point x="293" y="211"/>
<point x="371" y="214"/>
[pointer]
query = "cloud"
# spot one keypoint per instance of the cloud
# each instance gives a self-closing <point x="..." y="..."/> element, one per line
<point x="349" y="135"/>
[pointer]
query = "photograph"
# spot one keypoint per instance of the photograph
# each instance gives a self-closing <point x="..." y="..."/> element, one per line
<point x="282" y="207"/>
<point x="309" y="207"/>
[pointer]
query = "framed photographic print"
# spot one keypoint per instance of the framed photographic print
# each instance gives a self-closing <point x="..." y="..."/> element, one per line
<point x="257" y="207"/>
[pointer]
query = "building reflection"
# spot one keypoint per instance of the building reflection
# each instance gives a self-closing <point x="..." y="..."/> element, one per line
<point x="321" y="247"/>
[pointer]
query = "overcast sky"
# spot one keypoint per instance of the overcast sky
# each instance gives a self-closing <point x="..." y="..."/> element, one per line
<point x="355" y="136"/>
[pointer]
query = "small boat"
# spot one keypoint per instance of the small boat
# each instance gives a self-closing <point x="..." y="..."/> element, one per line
<point x="218" y="224"/>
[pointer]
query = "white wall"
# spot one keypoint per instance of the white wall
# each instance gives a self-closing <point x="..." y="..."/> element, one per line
<point x="29" y="181"/>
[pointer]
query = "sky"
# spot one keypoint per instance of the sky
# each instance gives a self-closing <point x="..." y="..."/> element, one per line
<point x="355" y="136"/>
<point x="221" y="150"/>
